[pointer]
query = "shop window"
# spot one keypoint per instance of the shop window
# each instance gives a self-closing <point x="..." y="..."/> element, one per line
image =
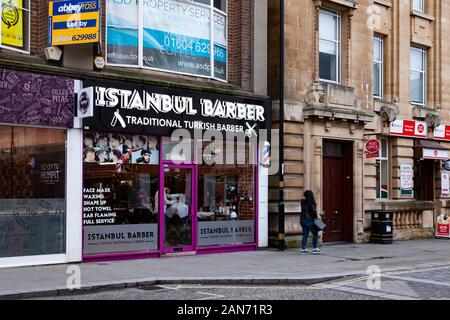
<point x="418" y="76"/>
<point x="32" y="196"/>
<point x="171" y="35"/>
<point x="383" y="171"/>
<point x="226" y="198"/>
<point x="329" y="45"/>
<point x="15" y="25"/>
<point x="378" y="81"/>
<point x="121" y="183"/>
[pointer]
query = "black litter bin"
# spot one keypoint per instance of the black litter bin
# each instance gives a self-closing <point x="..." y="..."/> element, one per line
<point x="382" y="227"/>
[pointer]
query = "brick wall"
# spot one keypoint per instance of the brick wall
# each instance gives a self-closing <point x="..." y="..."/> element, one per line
<point x="39" y="27"/>
<point x="240" y="42"/>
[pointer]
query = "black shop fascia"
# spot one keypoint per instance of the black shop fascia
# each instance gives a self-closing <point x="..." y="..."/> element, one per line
<point x="121" y="107"/>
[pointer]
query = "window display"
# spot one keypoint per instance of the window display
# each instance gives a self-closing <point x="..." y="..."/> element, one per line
<point x="32" y="197"/>
<point x="121" y="184"/>
<point x="134" y="204"/>
<point x="226" y="201"/>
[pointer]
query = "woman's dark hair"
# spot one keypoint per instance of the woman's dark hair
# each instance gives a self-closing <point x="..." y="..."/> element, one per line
<point x="309" y="197"/>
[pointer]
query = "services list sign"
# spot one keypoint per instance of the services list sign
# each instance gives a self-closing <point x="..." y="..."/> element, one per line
<point x="73" y="22"/>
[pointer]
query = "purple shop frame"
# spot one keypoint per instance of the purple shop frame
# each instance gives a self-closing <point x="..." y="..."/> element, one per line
<point x="121" y="255"/>
<point x="162" y="221"/>
<point x="195" y="248"/>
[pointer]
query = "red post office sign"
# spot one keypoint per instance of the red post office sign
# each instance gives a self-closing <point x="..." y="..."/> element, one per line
<point x="443" y="226"/>
<point x="373" y="148"/>
<point x="442" y="132"/>
<point x="409" y="128"/>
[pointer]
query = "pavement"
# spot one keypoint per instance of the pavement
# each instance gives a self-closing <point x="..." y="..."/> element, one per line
<point x="263" y="267"/>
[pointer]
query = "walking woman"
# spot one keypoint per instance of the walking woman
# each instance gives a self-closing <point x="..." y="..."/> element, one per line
<point x="307" y="217"/>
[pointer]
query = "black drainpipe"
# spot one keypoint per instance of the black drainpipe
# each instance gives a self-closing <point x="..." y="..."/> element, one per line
<point x="281" y="218"/>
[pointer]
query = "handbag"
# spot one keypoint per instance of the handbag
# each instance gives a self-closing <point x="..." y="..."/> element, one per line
<point x="319" y="224"/>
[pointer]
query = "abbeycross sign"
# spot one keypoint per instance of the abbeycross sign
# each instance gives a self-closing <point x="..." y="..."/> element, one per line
<point x="73" y="22"/>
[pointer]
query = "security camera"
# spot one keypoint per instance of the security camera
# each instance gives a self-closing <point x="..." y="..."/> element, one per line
<point x="53" y="53"/>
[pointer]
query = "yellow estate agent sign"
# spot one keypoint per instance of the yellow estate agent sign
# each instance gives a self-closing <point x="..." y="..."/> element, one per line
<point x="73" y="22"/>
<point x="12" y="23"/>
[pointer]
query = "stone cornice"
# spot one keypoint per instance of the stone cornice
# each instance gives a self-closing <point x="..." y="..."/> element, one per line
<point x="321" y="111"/>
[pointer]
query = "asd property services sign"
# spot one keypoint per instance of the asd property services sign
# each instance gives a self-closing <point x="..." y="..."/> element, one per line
<point x="73" y="22"/>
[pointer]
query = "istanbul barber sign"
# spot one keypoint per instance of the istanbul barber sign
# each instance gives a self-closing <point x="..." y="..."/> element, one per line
<point x="161" y="111"/>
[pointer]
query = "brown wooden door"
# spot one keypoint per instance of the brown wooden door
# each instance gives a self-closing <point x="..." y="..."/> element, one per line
<point x="425" y="180"/>
<point x="338" y="191"/>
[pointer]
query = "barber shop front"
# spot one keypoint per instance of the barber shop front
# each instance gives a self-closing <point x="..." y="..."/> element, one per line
<point x="169" y="170"/>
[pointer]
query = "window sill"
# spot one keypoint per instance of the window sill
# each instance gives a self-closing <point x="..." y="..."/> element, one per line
<point x="346" y="3"/>
<point x="329" y="81"/>
<point x="6" y="49"/>
<point x="383" y="3"/>
<point x="422" y="15"/>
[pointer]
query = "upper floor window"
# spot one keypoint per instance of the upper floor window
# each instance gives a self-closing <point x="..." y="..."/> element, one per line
<point x="419" y="5"/>
<point x="14" y="33"/>
<point x="179" y="36"/>
<point x="418" y="75"/>
<point x="378" y="52"/>
<point x="330" y="45"/>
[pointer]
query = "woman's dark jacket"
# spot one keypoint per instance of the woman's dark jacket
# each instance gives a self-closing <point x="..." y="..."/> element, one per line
<point x="308" y="210"/>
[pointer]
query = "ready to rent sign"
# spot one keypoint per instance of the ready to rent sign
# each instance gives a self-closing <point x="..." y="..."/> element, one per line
<point x="73" y="22"/>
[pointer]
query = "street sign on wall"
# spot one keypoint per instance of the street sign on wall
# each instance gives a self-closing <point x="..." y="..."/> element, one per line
<point x="73" y="22"/>
<point x="406" y="179"/>
<point x="372" y="148"/>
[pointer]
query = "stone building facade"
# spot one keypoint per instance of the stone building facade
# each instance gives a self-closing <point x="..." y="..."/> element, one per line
<point x="359" y="70"/>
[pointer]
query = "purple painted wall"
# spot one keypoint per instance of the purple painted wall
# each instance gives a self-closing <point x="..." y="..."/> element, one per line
<point x="35" y="99"/>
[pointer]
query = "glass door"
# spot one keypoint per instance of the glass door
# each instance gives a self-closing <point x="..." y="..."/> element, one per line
<point x="178" y="205"/>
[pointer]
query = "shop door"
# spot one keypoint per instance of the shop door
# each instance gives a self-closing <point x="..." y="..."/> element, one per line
<point x="178" y="200"/>
<point x="424" y="180"/>
<point x="338" y="191"/>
